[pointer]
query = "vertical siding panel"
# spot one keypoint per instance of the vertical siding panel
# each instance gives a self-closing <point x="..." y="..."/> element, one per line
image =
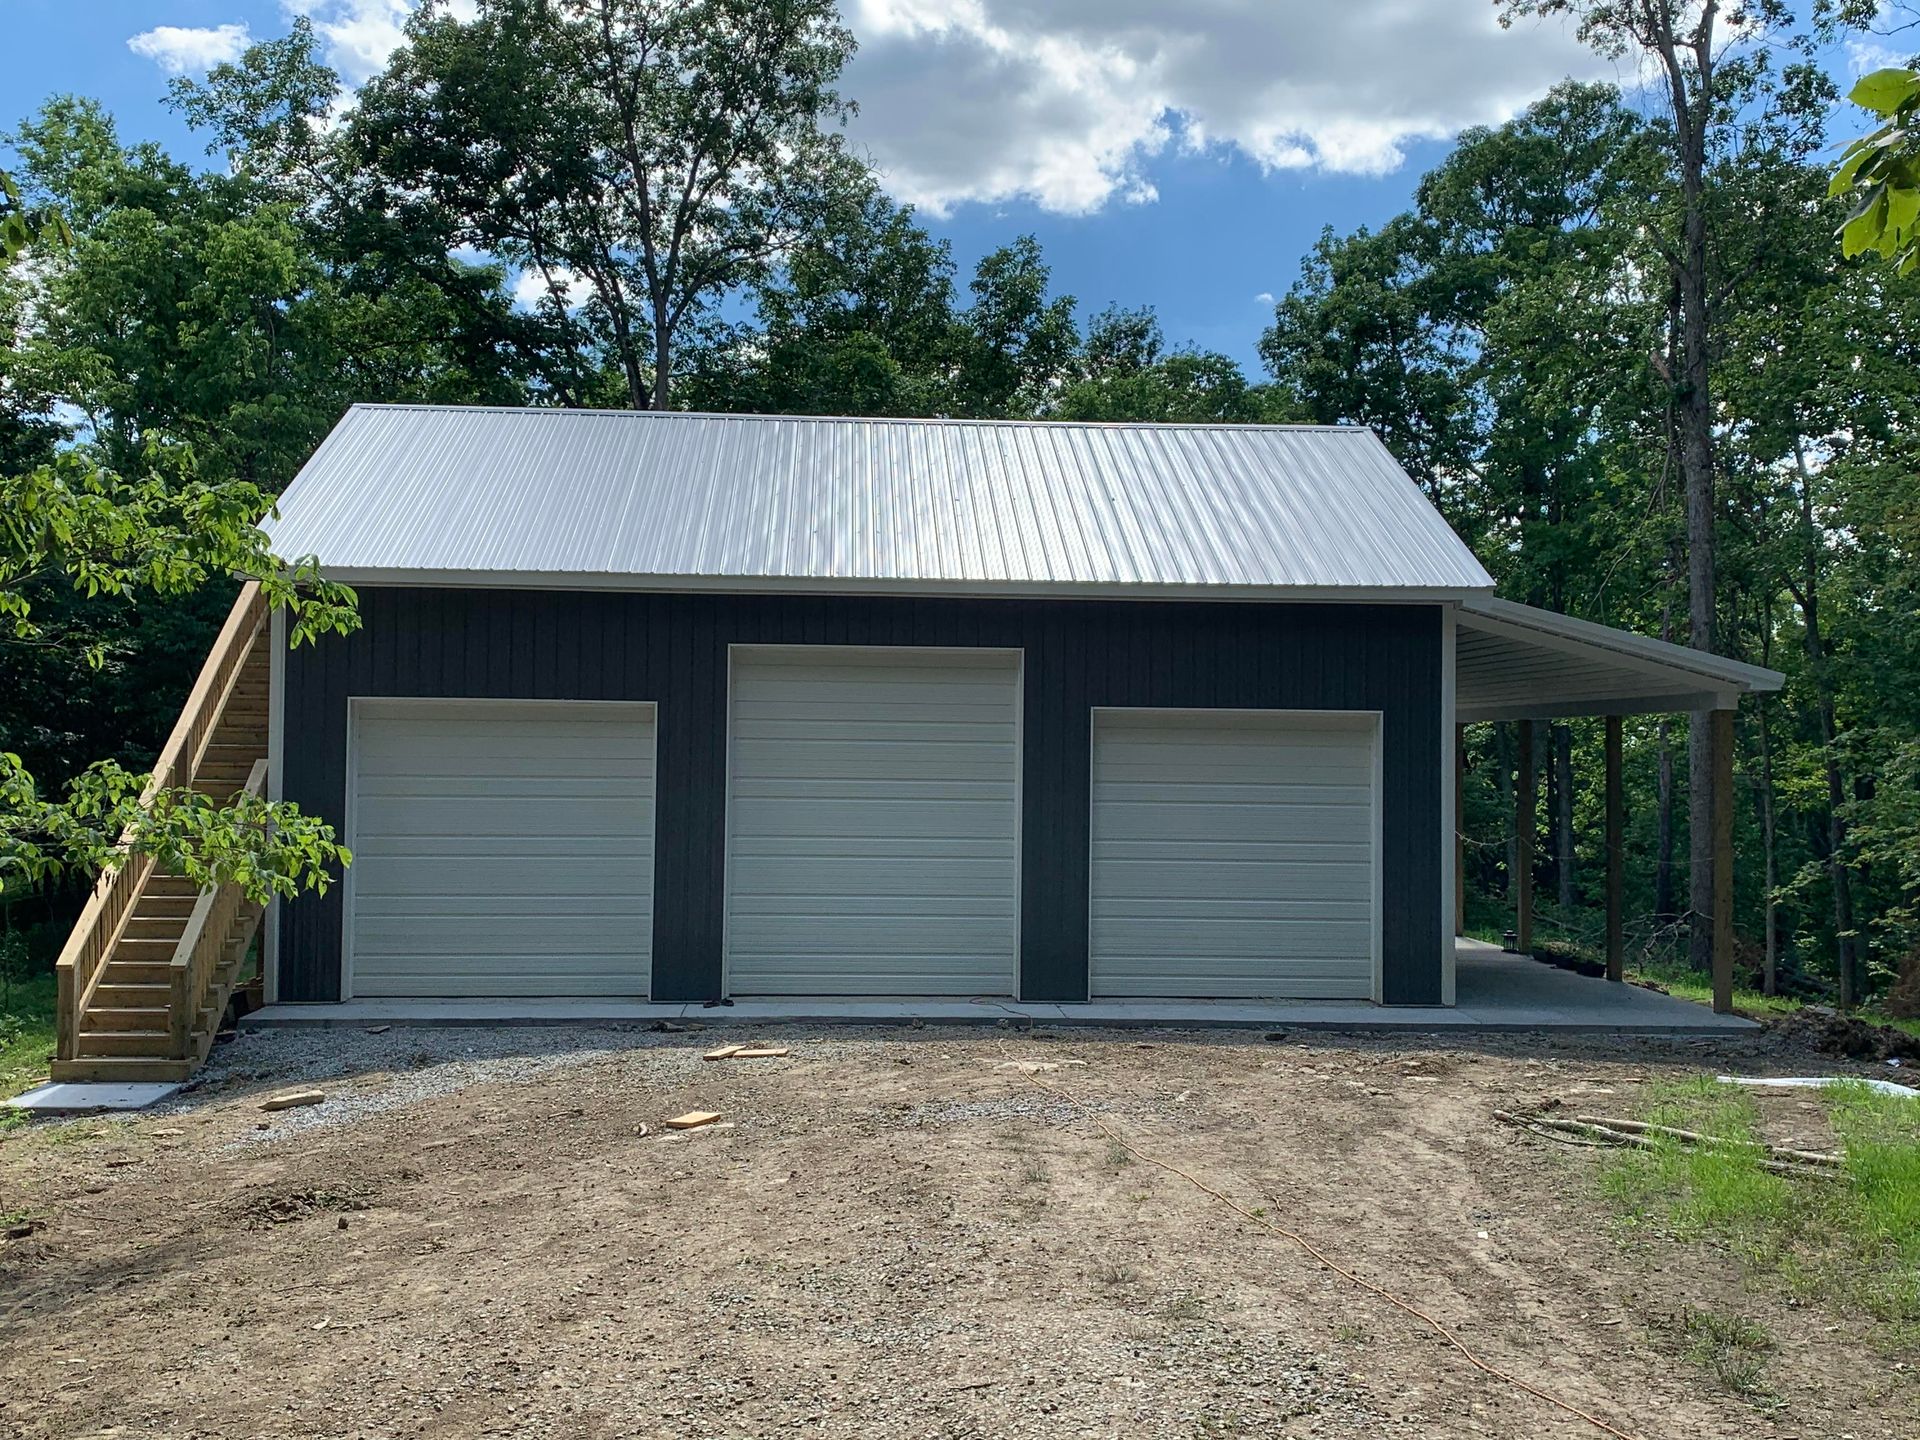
<point x="671" y="649"/>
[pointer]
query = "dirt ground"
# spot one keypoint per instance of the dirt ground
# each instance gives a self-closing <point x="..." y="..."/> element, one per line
<point x="896" y="1233"/>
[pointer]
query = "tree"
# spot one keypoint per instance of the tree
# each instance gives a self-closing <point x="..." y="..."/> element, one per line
<point x="1126" y="373"/>
<point x="856" y="319"/>
<point x="1016" y="343"/>
<point x="1719" y="88"/>
<point x="636" y="159"/>
<point x="210" y="311"/>
<point x="164" y="533"/>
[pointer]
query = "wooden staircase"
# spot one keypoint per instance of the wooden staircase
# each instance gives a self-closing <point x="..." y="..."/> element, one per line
<point x="144" y="979"/>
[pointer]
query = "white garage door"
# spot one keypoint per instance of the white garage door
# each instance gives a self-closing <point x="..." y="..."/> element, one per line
<point x="873" y="815"/>
<point x="1233" y="854"/>
<point x="501" y="848"/>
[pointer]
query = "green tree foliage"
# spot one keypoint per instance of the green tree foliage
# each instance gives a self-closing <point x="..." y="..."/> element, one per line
<point x="1516" y="338"/>
<point x="635" y="159"/>
<point x="166" y="533"/>
<point x="1881" y="171"/>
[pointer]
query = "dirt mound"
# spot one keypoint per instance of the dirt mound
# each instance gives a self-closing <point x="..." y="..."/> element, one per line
<point x="1831" y="1033"/>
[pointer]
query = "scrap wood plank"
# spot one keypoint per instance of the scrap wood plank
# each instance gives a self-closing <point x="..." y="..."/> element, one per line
<point x="693" y="1120"/>
<point x="759" y="1052"/>
<point x="290" y="1099"/>
<point x="724" y="1052"/>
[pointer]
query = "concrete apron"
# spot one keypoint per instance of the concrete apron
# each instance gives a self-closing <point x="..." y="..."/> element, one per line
<point x="56" y="1098"/>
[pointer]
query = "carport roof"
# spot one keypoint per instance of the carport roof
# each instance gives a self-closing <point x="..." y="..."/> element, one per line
<point x="1516" y="662"/>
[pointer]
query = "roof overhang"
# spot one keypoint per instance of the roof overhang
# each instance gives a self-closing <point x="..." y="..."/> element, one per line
<point x="911" y="587"/>
<point x="1516" y="662"/>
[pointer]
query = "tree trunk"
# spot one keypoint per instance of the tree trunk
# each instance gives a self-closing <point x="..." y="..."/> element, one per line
<point x="1664" y="912"/>
<point x="1693" y="111"/>
<point x="662" y="360"/>
<point x="1770" y="974"/>
<point x="1503" y="773"/>
<point x="1807" y="593"/>
<point x="1663" y="902"/>
<point x="1563" y="815"/>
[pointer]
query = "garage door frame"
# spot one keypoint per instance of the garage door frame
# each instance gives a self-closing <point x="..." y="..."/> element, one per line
<point x="736" y="650"/>
<point x="1377" y="723"/>
<point x="360" y="705"/>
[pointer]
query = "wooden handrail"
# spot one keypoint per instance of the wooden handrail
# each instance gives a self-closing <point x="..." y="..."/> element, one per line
<point x="197" y="957"/>
<point x="104" y="917"/>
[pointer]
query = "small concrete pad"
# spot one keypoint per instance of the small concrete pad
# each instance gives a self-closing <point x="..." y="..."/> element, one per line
<point x="55" y="1098"/>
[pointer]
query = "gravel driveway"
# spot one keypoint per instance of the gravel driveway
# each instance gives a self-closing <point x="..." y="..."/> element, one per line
<point x="901" y="1233"/>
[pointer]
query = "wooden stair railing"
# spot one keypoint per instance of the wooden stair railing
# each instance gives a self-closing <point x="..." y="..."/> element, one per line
<point x="217" y="731"/>
<point x="205" y="959"/>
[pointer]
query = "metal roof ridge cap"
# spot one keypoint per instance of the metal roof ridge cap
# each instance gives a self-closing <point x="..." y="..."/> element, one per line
<point x="982" y="422"/>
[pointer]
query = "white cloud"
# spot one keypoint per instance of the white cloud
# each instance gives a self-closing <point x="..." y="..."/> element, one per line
<point x="1265" y="297"/>
<point x="1866" y="56"/>
<point x="178" y="49"/>
<point x="1064" y="102"/>
<point x="356" y="36"/>
<point x="1067" y="102"/>
<point x="530" y="288"/>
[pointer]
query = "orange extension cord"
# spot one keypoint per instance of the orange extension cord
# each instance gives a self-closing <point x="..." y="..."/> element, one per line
<point x="1307" y="1245"/>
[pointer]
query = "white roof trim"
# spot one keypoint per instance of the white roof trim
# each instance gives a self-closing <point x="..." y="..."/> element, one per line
<point x="854" y="585"/>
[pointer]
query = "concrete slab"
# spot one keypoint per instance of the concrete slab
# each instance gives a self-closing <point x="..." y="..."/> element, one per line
<point x="1494" y="991"/>
<point x="55" y="1098"/>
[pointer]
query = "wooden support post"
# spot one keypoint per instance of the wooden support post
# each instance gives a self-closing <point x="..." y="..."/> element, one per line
<point x="1523" y="825"/>
<point x="1459" y="830"/>
<point x="1616" y="843"/>
<point x="1722" y="861"/>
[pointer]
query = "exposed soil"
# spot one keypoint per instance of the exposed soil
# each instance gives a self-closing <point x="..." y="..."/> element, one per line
<point x="896" y="1233"/>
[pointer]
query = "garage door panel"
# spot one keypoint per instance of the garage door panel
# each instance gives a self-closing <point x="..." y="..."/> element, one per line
<point x="1335" y="825"/>
<point x="854" y="880"/>
<point x="1227" y="882"/>
<point x="557" y="755"/>
<point x="887" y="973"/>
<point x="522" y="789"/>
<point x="876" y="794"/>
<point x="872" y="823"/>
<point x="871" y="762"/>
<point x="623" y="906"/>
<point x="583" y="977"/>
<point x="1268" y="980"/>
<point x="1233" y="855"/>
<point x="502" y="848"/>
<point x="875" y="937"/>
<point x="525" y="932"/>
<point x="772" y="822"/>
<point x="1303" y="933"/>
<point x="581" y="817"/>
<point x="419" y="879"/>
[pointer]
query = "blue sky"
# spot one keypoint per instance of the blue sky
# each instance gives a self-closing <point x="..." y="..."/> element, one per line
<point x="1183" y="155"/>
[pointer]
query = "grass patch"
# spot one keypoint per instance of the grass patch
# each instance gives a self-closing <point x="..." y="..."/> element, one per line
<point x="26" y="1034"/>
<point x="1851" y="1244"/>
<point x="1730" y="1348"/>
<point x="1686" y="984"/>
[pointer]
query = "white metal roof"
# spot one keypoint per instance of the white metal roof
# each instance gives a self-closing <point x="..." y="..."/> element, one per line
<point x="1515" y="662"/>
<point x="469" y="495"/>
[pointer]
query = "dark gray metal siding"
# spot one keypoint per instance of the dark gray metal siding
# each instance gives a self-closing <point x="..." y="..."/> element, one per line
<point x="672" y="649"/>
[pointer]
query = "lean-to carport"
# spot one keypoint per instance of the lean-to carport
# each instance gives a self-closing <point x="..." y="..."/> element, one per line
<point x="1517" y="663"/>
